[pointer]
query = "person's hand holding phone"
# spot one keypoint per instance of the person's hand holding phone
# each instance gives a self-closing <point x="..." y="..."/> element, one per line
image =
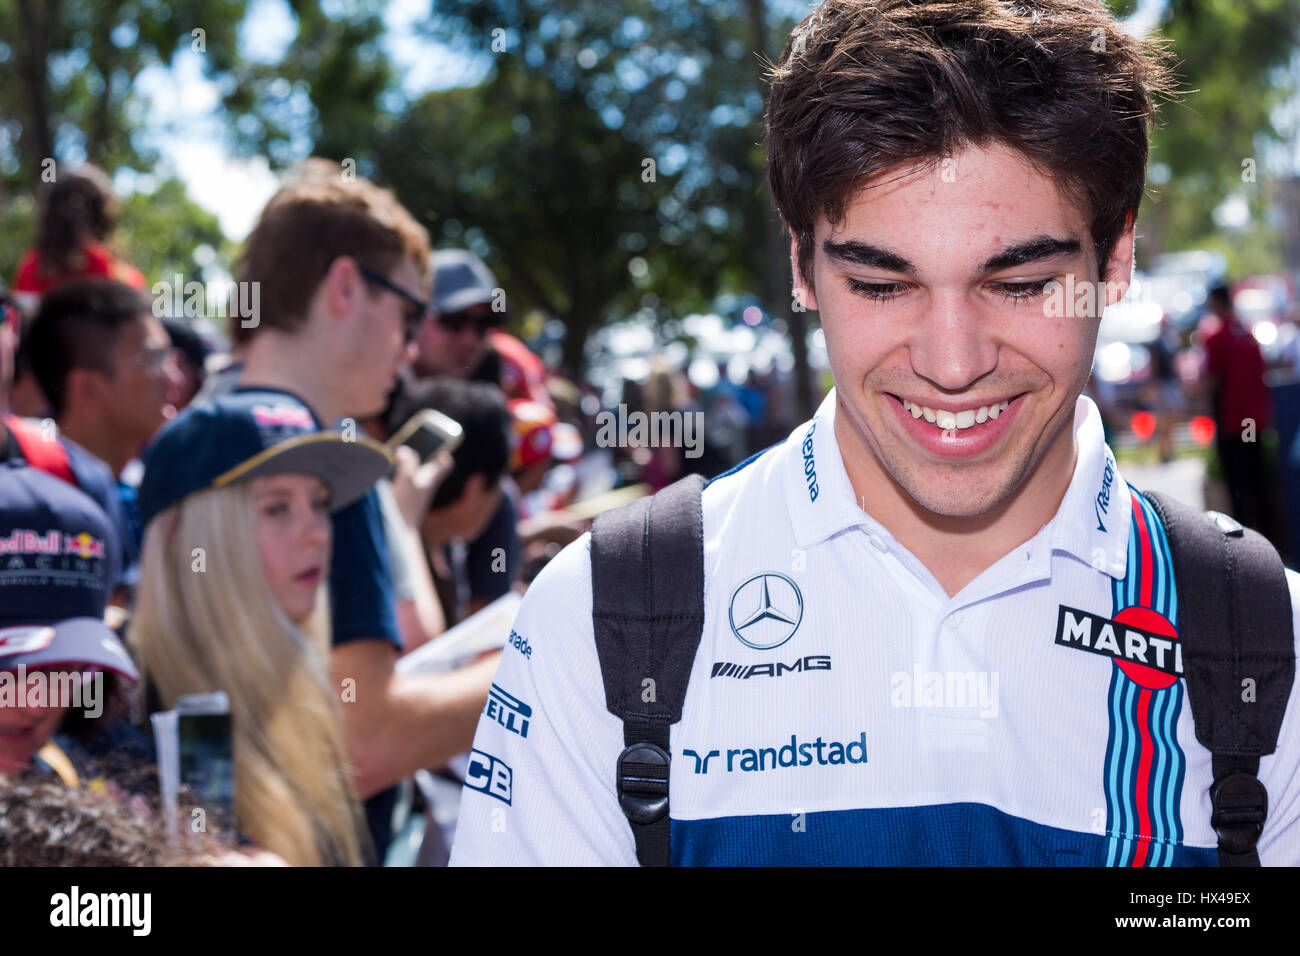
<point x="414" y="484"/>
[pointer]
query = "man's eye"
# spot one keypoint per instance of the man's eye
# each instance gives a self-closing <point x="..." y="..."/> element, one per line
<point x="276" y="509"/>
<point x="1021" y="290"/>
<point x="321" y="504"/>
<point x="879" y="291"/>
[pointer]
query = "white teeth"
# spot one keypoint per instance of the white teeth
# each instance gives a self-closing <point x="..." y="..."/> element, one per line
<point x="962" y="419"/>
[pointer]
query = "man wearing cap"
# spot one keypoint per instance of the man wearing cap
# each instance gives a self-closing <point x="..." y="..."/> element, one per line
<point x="466" y="340"/>
<point x="57" y="559"/>
<point x="341" y="268"/>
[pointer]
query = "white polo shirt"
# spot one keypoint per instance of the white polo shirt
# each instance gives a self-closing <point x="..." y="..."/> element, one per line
<point x="842" y="709"/>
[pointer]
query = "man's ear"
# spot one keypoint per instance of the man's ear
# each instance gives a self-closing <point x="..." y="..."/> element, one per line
<point x="475" y="485"/>
<point x="85" y="388"/>
<point x="1118" y="271"/>
<point x="341" y="289"/>
<point x="803" y="293"/>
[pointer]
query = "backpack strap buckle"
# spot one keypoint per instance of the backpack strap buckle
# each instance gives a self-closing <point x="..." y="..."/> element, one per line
<point x="1240" y="805"/>
<point x="643" y="782"/>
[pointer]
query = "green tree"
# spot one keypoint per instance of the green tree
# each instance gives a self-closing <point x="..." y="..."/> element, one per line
<point x="1232" y="57"/>
<point x="608" y="163"/>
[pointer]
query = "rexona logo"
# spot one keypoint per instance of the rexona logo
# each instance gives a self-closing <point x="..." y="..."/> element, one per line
<point x="490" y="775"/>
<point x="810" y="463"/>
<point x="1142" y="643"/>
<point x="1102" y="504"/>
<point x="813" y="662"/>
<point x="508" y="711"/>
<point x="794" y="754"/>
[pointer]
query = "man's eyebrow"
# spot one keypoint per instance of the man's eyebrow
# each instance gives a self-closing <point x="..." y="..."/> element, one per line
<point x="1031" y="250"/>
<point x="865" y="254"/>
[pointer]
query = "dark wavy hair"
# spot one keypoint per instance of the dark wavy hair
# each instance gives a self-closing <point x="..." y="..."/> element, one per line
<point x="864" y="86"/>
<point x="44" y="822"/>
<point x="484" y="418"/>
<point x="78" y="208"/>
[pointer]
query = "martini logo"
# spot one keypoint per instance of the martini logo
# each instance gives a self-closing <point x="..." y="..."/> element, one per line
<point x="1142" y="643"/>
<point x="765" y="611"/>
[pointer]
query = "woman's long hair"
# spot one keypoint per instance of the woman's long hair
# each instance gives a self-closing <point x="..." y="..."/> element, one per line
<point x="206" y="620"/>
<point x="79" y="208"/>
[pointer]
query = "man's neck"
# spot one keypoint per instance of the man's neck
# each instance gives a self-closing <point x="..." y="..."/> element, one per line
<point x="99" y="440"/>
<point x="287" y="362"/>
<point x="957" y="549"/>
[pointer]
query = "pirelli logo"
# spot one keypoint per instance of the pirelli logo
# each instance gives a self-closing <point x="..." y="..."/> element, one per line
<point x="1139" y="650"/>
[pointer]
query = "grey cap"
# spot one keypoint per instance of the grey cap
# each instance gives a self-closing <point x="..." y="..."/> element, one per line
<point x="460" y="280"/>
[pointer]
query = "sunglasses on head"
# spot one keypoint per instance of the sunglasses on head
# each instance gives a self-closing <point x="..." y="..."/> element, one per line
<point x="459" y="321"/>
<point x="415" y="308"/>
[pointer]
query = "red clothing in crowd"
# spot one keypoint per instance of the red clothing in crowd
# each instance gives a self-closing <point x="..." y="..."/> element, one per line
<point x="1234" y="358"/>
<point x="96" y="260"/>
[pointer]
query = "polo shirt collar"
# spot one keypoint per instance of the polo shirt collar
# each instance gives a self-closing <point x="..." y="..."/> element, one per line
<point x="821" y="498"/>
<point x="1091" y="524"/>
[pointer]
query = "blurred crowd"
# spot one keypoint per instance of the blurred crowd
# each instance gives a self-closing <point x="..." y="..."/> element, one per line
<point x="187" y="508"/>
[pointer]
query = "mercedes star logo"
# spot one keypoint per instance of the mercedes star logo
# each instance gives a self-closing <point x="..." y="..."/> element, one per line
<point x="766" y="611"/>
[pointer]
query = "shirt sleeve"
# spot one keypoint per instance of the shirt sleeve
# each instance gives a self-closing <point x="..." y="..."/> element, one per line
<point x="540" y="784"/>
<point x="1279" y="844"/>
<point x="361" y="585"/>
<point x="398" y="557"/>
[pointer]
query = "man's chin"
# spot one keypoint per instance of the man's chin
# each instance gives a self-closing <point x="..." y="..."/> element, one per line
<point x="961" y="493"/>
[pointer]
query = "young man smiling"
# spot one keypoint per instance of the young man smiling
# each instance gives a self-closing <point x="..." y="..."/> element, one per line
<point x="896" y="597"/>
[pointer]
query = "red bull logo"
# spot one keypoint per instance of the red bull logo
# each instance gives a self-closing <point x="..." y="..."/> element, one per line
<point x="83" y="546"/>
<point x="26" y="541"/>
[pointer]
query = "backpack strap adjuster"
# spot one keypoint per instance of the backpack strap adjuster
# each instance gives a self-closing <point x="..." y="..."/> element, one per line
<point x="1240" y="805"/>
<point x="643" y="782"/>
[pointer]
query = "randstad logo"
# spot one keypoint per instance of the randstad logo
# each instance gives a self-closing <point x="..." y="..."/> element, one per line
<point x="794" y="754"/>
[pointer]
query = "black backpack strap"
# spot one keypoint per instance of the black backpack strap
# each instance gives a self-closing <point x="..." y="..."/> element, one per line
<point x="647" y="585"/>
<point x="1235" y="624"/>
<point x="10" y="450"/>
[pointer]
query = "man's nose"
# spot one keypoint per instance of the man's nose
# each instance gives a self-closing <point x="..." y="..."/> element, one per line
<point x="953" y="346"/>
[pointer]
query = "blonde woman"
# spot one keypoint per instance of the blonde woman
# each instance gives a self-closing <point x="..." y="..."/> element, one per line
<point x="236" y="499"/>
